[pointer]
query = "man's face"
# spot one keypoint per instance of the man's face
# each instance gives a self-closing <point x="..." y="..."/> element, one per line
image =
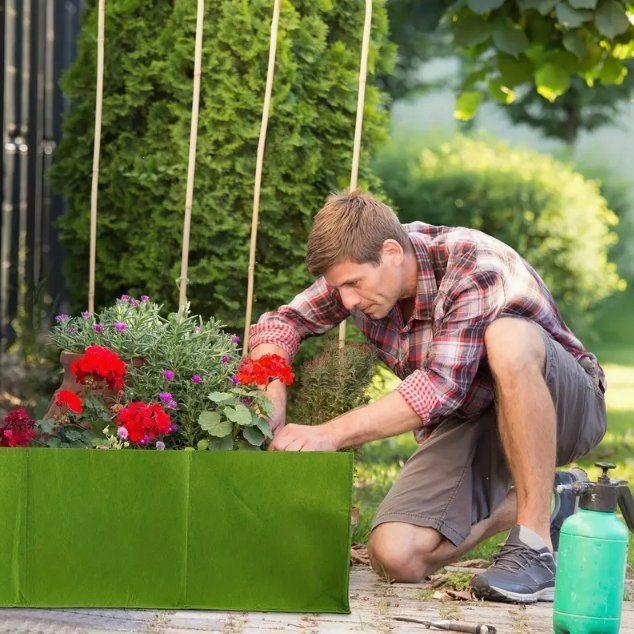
<point x="371" y="288"/>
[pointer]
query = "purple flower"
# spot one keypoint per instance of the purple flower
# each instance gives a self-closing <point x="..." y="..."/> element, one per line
<point x="168" y="374"/>
<point x="86" y="314"/>
<point x="196" y="379"/>
<point x="234" y="380"/>
<point x="98" y="327"/>
<point x="72" y="330"/>
<point x="160" y="445"/>
<point x="60" y="319"/>
<point x="165" y="397"/>
<point x="246" y="401"/>
<point x="172" y="404"/>
<point x="125" y="298"/>
<point x="144" y="441"/>
<point x="120" y="326"/>
<point x="236" y="339"/>
<point x="173" y="428"/>
<point x="225" y="358"/>
<point x="144" y="298"/>
<point x="122" y="432"/>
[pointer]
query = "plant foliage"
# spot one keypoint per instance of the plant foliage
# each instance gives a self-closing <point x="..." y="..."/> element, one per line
<point x="145" y="141"/>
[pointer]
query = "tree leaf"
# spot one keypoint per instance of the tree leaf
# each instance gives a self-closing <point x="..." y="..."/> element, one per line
<point x="543" y="6"/>
<point x="514" y="71"/>
<point x="508" y="37"/>
<point x="500" y="92"/>
<point x="552" y="81"/>
<point x="612" y="72"/>
<point x="483" y="6"/>
<point x="467" y="104"/>
<point x="471" y="30"/>
<point x="253" y="435"/>
<point x="221" y="444"/>
<point x="239" y="414"/>
<point x="214" y="425"/>
<point x="583" y="4"/>
<point x="571" y="18"/>
<point x="574" y="42"/>
<point x="611" y="18"/>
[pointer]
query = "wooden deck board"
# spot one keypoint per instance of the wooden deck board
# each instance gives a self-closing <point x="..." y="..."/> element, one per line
<point x="373" y="604"/>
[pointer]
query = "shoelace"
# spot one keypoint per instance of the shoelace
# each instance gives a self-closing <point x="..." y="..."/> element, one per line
<point x="513" y="557"/>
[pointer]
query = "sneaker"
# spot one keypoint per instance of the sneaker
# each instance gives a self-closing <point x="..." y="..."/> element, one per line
<point x="522" y="572"/>
<point x="566" y="502"/>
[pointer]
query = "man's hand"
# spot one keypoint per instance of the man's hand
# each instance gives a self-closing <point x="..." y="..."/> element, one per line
<point x="303" y="438"/>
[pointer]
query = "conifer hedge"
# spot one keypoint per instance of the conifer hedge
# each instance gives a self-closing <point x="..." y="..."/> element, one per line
<point x="145" y="136"/>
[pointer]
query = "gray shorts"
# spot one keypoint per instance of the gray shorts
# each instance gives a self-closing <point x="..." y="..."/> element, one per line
<point x="462" y="465"/>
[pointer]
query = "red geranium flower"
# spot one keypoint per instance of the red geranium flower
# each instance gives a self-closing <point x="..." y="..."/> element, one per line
<point x="264" y="370"/>
<point x="99" y="364"/>
<point x="17" y="430"/>
<point x="70" y="400"/>
<point x="144" y="421"/>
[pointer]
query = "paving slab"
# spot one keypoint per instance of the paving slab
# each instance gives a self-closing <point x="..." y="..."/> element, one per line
<point x="373" y="603"/>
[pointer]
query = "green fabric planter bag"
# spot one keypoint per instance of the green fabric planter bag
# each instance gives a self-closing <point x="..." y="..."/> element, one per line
<point x="230" y="530"/>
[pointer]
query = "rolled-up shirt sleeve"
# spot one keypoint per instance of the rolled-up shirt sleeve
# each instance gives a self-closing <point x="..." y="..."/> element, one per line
<point x="440" y="388"/>
<point x="312" y="312"/>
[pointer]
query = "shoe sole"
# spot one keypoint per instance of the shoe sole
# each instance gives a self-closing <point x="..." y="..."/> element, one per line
<point x="485" y="591"/>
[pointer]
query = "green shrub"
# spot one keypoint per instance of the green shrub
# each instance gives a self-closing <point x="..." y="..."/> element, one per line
<point x="541" y="207"/>
<point x="145" y="138"/>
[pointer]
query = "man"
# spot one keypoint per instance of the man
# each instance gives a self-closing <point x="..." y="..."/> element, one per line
<point x="495" y="386"/>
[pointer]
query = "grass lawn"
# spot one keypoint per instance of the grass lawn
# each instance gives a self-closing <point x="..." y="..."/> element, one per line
<point x="379" y="462"/>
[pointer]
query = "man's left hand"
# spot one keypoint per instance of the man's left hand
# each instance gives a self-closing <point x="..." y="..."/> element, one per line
<point x="302" y="438"/>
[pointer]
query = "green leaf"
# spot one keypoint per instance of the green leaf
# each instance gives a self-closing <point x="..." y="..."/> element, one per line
<point x="583" y="4"/>
<point x="508" y="37"/>
<point x="500" y="92"/>
<point x="220" y="397"/>
<point x="245" y="444"/>
<point x="239" y="414"/>
<point x="552" y="81"/>
<point x="571" y="18"/>
<point x="514" y="71"/>
<point x="471" y="30"/>
<point x="221" y="444"/>
<point x="575" y="43"/>
<point x="543" y="6"/>
<point x="264" y="427"/>
<point x="213" y="425"/>
<point x="611" y="18"/>
<point x="483" y="6"/>
<point x="267" y="407"/>
<point x="46" y="426"/>
<point x="612" y="72"/>
<point x="72" y="434"/>
<point x="467" y="104"/>
<point x="253" y="435"/>
<point x="54" y="442"/>
<point x="203" y="444"/>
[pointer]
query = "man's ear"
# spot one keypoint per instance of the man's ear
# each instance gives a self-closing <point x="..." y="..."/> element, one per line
<point x="392" y="251"/>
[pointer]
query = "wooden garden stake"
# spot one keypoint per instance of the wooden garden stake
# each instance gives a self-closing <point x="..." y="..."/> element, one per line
<point x="363" y="72"/>
<point x="258" y="171"/>
<point x="95" y="156"/>
<point x="193" y="135"/>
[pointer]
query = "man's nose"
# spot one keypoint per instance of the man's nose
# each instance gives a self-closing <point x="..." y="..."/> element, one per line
<point x="349" y="297"/>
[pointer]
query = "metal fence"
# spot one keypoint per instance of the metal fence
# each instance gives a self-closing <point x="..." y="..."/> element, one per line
<point x="38" y="43"/>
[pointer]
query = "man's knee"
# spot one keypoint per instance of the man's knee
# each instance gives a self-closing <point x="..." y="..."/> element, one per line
<point x="393" y="554"/>
<point x="514" y="347"/>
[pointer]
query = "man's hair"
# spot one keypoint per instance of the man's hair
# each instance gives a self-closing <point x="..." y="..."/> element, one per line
<point x="351" y="226"/>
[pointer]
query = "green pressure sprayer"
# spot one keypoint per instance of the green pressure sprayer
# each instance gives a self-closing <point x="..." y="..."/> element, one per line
<point x="592" y="558"/>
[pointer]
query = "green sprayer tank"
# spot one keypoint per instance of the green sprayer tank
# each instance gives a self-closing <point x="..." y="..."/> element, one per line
<point x="592" y="558"/>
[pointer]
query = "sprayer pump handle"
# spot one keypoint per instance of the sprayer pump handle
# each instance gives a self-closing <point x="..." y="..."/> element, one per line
<point x="605" y="466"/>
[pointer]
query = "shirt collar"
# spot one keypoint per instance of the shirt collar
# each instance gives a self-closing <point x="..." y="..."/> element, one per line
<point x="427" y="288"/>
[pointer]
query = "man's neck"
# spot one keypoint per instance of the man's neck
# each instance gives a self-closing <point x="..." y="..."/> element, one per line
<point x="408" y="298"/>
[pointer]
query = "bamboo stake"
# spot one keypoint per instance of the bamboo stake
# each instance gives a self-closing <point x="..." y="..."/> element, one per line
<point x="258" y="172"/>
<point x="363" y="73"/>
<point x="95" y="156"/>
<point x="193" y="136"/>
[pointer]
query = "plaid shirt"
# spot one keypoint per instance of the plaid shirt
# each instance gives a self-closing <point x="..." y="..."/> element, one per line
<point x="466" y="279"/>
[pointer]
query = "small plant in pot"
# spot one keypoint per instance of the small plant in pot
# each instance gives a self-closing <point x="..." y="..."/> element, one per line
<point x="135" y="379"/>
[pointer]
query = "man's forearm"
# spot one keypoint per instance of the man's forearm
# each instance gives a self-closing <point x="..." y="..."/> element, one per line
<point x="389" y="416"/>
<point x="276" y="390"/>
